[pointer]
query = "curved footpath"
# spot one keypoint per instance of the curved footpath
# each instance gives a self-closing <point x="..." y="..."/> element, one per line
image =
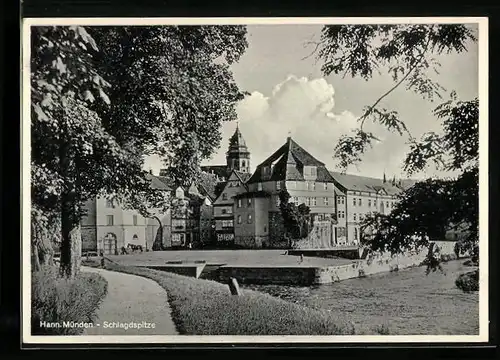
<point x="135" y="299"/>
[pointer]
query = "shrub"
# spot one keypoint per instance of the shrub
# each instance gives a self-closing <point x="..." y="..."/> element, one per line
<point x="56" y="299"/>
<point x="469" y="281"/>
<point x="203" y="307"/>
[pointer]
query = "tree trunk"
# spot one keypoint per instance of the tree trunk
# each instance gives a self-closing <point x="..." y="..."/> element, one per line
<point x="71" y="239"/>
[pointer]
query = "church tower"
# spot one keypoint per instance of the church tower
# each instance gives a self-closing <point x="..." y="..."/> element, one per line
<point x="238" y="156"/>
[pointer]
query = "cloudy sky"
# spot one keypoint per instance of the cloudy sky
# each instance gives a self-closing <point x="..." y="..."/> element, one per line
<point x="289" y="94"/>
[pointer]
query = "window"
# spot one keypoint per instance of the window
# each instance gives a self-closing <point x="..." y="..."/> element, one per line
<point x="343" y="214"/>
<point x="227" y="223"/>
<point x="224" y="211"/>
<point x="359" y="202"/>
<point x="243" y="163"/>
<point x="313" y="186"/>
<point x="355" y="234"/>
<point x="354" y="202"/>
<point x="135" y="237"/>
<point x="342" y="198"/>
<point x="249" y="220"/>
<point x="239" y="219"/>
<point x="325" y="186"/>
<point x="259" y="186"/>
<point x="313" y="171"/>
<point x="308" y="201"/>
<point x="320" y="217"/>
<point x="313" y="202"/>
<point x="375" y="203"/>
<point x="265" y="228"/>
<point x="354" y="216"/>
<point x="325" y="201"/>
<point x="109" y="203"/>
<point x="278" y="185"/>
<point x="338" y="200"/>
<point x="296" y="200"/>
<point x="224" y="196"/>
<point x="387" y="203"/>
<point x="277" y="201"/>
<point x="134" y="219"/>
<point x="249" y="202"/>
<point x="360" y="217"/>
<point x="369" y="202"/>
<point x="239" y="203"/>
<point x="109" y="220"/>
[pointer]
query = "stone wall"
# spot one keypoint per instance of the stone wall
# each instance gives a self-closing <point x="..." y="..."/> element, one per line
<point x="303" y="275"/>
<point x="251" y="242"/>
<point x="268" y="275"/>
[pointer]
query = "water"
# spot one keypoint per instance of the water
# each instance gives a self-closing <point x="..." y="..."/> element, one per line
<point x="408" y="302"/>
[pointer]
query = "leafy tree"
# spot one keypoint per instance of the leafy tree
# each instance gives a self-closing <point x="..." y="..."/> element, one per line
<point x="406" y="52"/>
<point x="429" y="208"/>
<point x="296" y="219"/>
<point x="176" y="80"/>
<point x="103" y="98"/>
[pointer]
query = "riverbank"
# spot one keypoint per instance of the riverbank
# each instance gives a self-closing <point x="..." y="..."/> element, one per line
<point x="204" y="307"/>
<point x="274" y="266"/>
<point x="407" y="302"/>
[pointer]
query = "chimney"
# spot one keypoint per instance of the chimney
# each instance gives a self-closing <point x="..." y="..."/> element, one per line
<point x="151" y="171"/>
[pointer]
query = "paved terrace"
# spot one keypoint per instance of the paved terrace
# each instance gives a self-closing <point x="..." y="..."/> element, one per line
<point x="253" y="258"/>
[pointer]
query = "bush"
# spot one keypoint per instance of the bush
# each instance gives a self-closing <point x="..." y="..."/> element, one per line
<point x="468" y="282"/>
<point x="55" y="299"/>
<point x="203" y="307"/>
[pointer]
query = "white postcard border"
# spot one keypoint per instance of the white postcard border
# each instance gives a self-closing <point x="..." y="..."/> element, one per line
<point x="482" y="23"/>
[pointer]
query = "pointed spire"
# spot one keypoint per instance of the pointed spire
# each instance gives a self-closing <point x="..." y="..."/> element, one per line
<point x="385" y="180"/>
<point x="394" y="180"/>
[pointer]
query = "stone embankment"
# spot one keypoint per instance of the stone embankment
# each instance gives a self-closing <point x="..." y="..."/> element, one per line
<point x="310" y="275"/>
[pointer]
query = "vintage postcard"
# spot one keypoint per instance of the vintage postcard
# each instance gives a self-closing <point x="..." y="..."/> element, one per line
<point x="254" y="180"/>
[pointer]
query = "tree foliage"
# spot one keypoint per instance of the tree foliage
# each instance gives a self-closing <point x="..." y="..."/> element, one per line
<point x="406" y="52"/>
<point x="102" y="98"/>
<point x="429" y="208"/>
<point x="296" y="219"/>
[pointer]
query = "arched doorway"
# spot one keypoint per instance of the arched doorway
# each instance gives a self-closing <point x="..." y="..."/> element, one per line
<point x="110" y="244"/>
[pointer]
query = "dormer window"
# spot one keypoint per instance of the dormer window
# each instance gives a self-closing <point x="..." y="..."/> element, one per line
<point x="310" y="172"/>
<point x="179" y="193"/>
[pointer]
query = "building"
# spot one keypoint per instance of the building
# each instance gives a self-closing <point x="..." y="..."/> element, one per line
<point x="191" y="218"/>
<point x="359" y="196"/>
<point x="224" y="207"/>
<point x="237" y="158"/>
<point x="109" y="226"/>
<point x="258" y="220"/>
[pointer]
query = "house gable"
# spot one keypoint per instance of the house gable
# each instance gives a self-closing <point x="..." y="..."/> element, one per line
<point x="233" y="186"/>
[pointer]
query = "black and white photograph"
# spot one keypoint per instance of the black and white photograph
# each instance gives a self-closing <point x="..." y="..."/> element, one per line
<point x="190" y="180"/>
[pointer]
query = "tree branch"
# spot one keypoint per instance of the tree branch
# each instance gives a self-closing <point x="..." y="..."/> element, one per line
<point x="363" y="117"/>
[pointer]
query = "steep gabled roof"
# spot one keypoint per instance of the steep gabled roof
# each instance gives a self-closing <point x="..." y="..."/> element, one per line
<point x="369" y="184"/>
<point x="243" y="176"/>
<point x="289" y="161"/>
<point x="159" y="182"/>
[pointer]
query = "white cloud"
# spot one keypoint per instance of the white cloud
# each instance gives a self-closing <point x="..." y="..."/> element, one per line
<point x="301" y="107"/>
<point x="305" y="109"/>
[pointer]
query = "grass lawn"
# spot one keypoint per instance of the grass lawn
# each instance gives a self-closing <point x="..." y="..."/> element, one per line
<point x="203" y="307"/>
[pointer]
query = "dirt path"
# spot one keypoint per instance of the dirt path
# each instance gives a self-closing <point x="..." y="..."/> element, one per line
<point x="134" y="301"/>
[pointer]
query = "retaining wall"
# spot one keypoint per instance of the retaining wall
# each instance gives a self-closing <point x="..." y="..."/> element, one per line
<point x="302" y="275"/>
